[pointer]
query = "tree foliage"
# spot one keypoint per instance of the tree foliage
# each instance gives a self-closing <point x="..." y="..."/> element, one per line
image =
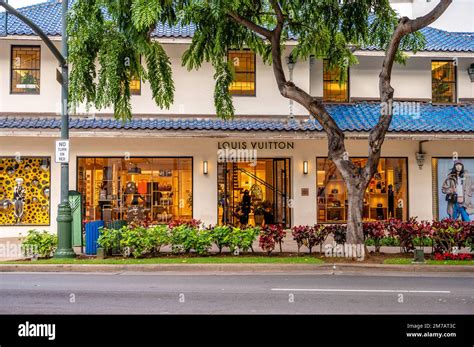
<point x="117" y="35"/>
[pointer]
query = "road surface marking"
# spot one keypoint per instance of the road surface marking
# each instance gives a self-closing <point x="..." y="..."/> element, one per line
<point x="361" y="290"/>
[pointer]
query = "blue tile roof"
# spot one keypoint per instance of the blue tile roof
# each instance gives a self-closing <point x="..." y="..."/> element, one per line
<point x="351" y="118"/>
<point x="48" y="16"/>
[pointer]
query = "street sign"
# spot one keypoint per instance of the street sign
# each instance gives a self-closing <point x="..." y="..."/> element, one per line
<point x="62" y="151"/>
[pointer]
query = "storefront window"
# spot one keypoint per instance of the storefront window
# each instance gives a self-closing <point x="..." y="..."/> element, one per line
<point x="136" y="190"/>
<point x="25" y="191"/>
<point x="254" y="193"/>
<point x="386" y="195"/>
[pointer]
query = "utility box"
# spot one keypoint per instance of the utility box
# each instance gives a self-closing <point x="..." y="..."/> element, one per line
<point x="75" y="201"/>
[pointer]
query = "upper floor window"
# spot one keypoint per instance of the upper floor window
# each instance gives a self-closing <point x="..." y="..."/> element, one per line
<point x="443" y="81"/>
<point x="334" y="90"/>
<point x="244" y="67"/>
<point x="25" y="74"/>
<point x="135" y="87"/>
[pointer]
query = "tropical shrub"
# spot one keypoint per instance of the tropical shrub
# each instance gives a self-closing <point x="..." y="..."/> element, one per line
<point x="182" y="238"/>
<point x="110" y="238"/>
<point x="374" y="231"/>
<point x="221" y="236"/>
<point x="243" y="239"/>
<point x="301" y="235"/>
<point x="185" y="237"/>
<point x="403" y="232"/>
<point x="136" y="241"/>
<point x="41" y="243"/>
<point x="338" y="232"/>
<point x="270" y="236"/>
<point x="449" y="233"/>
<point x="266" y="240"/>
<point x="159" y="237"/>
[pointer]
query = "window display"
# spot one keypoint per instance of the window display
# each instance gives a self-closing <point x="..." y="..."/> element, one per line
<point x="24" y="191"/>
<point x="254" y="193"/>
<point x="454" y="191"/>
<point x="136" y="190"/>
<point x="386" y="195"/>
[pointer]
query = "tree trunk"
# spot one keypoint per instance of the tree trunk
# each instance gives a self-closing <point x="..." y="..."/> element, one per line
<point x="355" y="208"/>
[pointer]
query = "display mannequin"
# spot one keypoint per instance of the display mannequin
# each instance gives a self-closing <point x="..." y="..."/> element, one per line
<point x="19" y="194"/>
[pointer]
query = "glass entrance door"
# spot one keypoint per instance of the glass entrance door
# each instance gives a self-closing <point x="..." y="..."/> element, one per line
<point x="254" y="193"/>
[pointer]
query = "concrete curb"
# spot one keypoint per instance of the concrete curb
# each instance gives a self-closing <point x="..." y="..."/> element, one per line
<point x="232" y="268"/>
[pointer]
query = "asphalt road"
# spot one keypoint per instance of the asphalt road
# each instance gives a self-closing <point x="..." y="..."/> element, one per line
<point x="256" y="293"/>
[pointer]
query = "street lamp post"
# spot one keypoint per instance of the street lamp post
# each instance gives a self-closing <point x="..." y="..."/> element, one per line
<point x="64" y="219"/>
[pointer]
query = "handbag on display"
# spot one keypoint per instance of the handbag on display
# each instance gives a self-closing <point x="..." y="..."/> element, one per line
<point x="451" y="197"/>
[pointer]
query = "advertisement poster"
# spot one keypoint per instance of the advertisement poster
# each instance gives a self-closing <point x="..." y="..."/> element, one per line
<point x="455" y="188"/>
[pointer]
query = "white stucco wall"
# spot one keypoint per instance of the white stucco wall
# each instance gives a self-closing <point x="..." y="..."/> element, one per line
<point x="194" y="93"/>
<point x="205" y="186"/>
<point x="194" y="89"/>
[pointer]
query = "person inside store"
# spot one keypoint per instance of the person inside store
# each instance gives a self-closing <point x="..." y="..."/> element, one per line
<point x="245" y="206"/>
<point x="268" y="216"/>
<point x="458" y="189"/>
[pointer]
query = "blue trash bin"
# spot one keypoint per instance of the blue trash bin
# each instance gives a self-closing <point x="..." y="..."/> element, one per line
<point x="92" y="234"/>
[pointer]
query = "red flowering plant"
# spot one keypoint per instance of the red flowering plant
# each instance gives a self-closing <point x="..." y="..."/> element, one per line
<point x="319" y="236"/>
<point x="374" y="231"/>
<point x="338" y="232"/>
<point x="309" y="236"/>
<point x="270" y="236"/>
<point x="301" y="235"/>
<point x="451" y="256"/>
<point x="403" y="231"/>
<point x="421" y="230"/>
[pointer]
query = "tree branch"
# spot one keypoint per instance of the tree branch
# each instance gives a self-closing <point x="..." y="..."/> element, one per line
<point x="37" y="30"/>
<point x="251" y="25"/>
<point x="377" y="134"/>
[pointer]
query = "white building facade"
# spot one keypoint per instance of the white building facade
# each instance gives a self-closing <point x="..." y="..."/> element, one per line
<point x="168" y="164"/>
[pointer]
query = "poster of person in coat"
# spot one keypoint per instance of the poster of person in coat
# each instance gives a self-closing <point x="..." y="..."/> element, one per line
<point x="457" y="188"/>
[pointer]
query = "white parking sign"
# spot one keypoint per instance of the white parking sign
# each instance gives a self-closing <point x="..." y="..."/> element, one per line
<point x="62" y="151"/>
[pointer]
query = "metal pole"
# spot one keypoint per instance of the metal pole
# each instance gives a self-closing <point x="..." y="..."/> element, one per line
<point x="64" y="219"/>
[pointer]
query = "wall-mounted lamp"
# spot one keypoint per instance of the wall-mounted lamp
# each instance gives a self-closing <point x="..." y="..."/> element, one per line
<point x="470" y="71"/>
<point x="305" y="167"/>
<point x="420" y="155"/>
<point x="205" y="167"/>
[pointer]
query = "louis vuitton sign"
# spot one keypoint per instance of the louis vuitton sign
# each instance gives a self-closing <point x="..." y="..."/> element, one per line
<point x="255" y="145"/>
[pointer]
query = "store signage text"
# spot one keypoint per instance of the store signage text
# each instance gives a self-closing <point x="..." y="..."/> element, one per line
<point x="280" y="145"/>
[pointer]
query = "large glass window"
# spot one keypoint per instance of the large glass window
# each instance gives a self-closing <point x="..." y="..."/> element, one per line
<point x="244" y="67"/>
<point x="136" y="190"/>
<point x="334" y="89"/>
<point x="443" y="81"/>
<point x="25" y="191"/>
<point x="254" y="193"/>
<point x="25" y="74"/>
<point x="386" y="195"/>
